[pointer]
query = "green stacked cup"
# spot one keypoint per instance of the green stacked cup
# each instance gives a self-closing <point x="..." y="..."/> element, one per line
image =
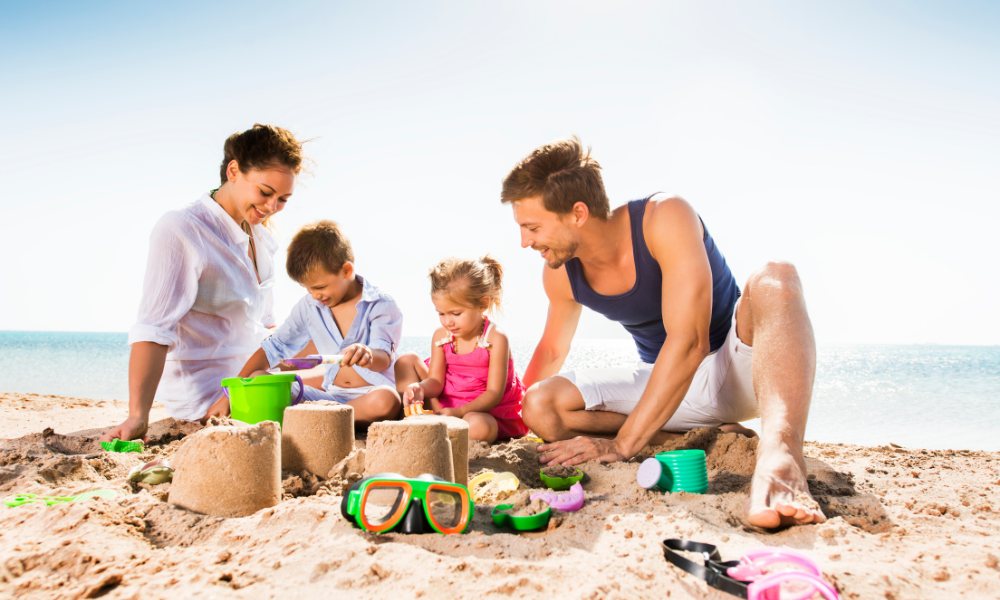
<point x="675" y="471"/>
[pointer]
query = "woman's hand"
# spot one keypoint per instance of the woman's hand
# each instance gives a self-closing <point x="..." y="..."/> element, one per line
<point x="220" y="408"/>
<point x="133" y="428"/>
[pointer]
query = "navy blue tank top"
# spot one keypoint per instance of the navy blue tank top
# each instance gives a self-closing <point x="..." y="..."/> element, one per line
<point x="640" y="309"/>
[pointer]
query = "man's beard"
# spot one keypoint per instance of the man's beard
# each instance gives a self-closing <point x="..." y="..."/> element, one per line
<point x="558" y="259"/>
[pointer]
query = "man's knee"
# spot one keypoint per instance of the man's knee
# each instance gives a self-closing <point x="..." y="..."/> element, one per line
<point x="776" y="280"/>
<point x="540" y="409"/>
<point x="537" y="402"/>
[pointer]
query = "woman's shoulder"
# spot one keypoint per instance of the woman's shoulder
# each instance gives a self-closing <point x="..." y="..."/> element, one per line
<point x="180" y="219"/>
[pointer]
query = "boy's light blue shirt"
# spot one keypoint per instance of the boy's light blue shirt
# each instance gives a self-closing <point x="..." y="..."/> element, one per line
<point x="378" y="325"/>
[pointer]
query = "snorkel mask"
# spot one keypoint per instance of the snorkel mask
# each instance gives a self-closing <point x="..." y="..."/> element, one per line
<point x="390" y="502"/>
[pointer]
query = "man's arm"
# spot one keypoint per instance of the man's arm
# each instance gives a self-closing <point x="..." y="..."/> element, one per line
<point x="674" y="236"/>
<point x="560" y="326"/>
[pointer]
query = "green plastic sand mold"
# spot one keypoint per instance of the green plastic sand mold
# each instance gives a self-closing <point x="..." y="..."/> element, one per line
<point x="502" y="518"/>
<point x="22" y="499"/>
<point x="117" y="445"/>
<point x="560" y="484"/>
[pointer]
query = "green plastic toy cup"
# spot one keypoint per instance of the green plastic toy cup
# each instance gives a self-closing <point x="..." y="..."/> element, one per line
<point x="261" y="398"/>
<point x="675" y="471"/>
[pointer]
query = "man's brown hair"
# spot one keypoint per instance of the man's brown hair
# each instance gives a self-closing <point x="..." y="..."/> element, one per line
<point x="562" y="173"/>
<point x="318" y="244"/>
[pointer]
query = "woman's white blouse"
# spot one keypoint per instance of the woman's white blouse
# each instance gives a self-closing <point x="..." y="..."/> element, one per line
<point x="202" y="300"/>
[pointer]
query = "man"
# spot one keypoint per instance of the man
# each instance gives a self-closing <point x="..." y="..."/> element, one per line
<point x="711" y="357"/>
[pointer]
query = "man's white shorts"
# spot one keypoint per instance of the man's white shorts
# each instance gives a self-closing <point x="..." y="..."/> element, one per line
<point x="721" y="391"/>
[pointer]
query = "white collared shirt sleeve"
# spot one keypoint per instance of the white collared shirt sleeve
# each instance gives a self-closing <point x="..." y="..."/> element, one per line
<point x="386" y="327"/>
<point x="170" y="286"/>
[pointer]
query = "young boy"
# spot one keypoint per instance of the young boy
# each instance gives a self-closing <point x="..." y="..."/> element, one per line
<point x="342" y="314"/>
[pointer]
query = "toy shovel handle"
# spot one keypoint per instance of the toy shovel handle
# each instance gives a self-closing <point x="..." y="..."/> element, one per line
<point x="302" y="391"/>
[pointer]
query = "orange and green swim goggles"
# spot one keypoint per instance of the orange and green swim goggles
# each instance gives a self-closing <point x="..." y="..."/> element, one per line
<point x="390" y="502"/>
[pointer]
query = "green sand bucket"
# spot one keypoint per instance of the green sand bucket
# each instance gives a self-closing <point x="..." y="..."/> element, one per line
<point x="261" y="398"/>
<point x="675" y="471"/>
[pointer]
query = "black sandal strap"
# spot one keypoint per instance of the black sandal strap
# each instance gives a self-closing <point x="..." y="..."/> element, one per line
<point x="713" y="571"/>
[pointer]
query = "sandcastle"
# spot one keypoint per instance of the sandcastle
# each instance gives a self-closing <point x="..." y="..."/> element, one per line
<point x="316" y="436"/>
<point x="410" y="447"/>
<point x="228" y="471"/>
<point x="458" y="435"/>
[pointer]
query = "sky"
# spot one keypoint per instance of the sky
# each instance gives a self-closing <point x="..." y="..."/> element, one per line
<point x="858" y="140"/>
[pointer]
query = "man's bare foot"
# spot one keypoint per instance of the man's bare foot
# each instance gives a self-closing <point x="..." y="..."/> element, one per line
<point x="779" y="494"/>
<point x="737" y="428"/>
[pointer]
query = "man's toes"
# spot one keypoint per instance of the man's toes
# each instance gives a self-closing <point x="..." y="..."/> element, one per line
<point x="767" y="518"/>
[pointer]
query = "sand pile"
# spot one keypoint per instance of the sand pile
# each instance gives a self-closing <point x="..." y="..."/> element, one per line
<point x="458" y="437"/>
<point x="410" y="448"/>
<point x="891" y="511"/>
<point x="315" y="436"/>
<point x="228" y="471"/>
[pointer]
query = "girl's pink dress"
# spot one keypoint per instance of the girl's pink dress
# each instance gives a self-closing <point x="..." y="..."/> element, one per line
<point x="465" y="378"/>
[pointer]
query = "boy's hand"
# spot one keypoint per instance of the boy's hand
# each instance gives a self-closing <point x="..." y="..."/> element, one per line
<point x="220" y="408"/>
<point x="357" y="354"/>
<point x="133" y="428"/>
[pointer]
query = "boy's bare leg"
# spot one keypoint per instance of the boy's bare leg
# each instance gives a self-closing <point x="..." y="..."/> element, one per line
<point x="377" y="405"/>
<point x="409" y="370"/>
<point x="772" y="318"/>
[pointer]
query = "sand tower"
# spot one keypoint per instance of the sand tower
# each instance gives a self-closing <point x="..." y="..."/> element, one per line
<point x="458" y="435"/>
<point x="315" y="436"/>
<point x="410" y="448"/>
<point x="228" y="471"/>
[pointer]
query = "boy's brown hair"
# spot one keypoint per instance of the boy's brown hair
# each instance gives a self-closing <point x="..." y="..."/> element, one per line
<point x="562" y="173"/>
<point x="318" y="244"/>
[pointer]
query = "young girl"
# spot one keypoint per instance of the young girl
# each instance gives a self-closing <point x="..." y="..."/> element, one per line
<point x="470" y="373"/>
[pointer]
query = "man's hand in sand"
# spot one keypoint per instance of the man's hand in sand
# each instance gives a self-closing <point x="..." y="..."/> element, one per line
<point x="133" y="428"/>
<point x="579" y="450"/>
<point x="219" y="408"/>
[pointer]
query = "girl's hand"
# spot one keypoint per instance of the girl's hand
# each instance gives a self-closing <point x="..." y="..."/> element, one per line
<point x="413" y="394"/>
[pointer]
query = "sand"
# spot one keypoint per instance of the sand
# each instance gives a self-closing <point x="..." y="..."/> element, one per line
<point x="228" y="470"/>
<point x="904" y="523"/>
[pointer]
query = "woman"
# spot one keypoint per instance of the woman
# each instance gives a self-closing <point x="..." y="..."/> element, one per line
<point x="207" y="297"/>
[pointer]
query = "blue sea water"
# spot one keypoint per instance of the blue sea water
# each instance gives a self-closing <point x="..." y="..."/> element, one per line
<point x="916" y="396"/>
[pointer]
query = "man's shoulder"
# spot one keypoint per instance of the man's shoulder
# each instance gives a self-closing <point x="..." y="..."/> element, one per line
<point x="666" y="206"/>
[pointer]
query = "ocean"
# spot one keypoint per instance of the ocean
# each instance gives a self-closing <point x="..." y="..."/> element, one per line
<point x="918" y="396"/>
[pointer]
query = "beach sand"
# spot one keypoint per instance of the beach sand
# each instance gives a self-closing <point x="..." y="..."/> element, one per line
<point x="904" y="523"/>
